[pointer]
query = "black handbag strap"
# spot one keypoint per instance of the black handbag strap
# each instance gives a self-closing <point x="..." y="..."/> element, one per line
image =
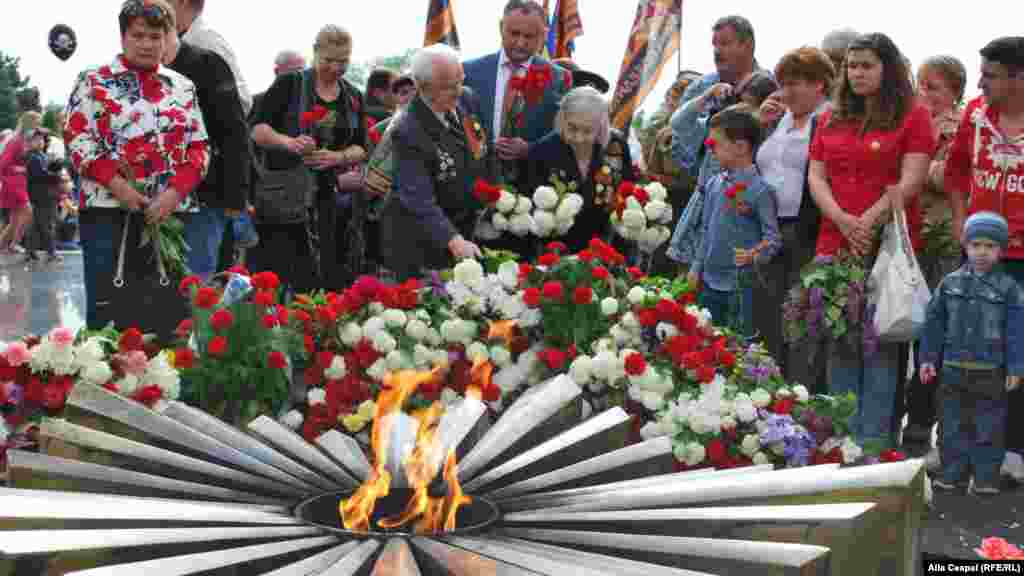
<point x="119" y="272"/>
<point x="809" y="215"/>
<point x="295" y="109"/>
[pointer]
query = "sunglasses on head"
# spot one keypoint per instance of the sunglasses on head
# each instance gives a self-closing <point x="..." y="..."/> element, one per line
<point x="136" y="8"/>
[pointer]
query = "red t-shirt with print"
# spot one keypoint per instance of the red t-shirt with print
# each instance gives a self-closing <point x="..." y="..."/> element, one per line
<point x="989" y="168"/>
<point x="860" y="166"/>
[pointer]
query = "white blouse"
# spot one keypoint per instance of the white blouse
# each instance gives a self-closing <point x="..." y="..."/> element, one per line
<point x="782" y="160"/>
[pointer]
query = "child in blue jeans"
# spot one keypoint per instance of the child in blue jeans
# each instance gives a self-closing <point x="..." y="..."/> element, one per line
<point x="973" y="330"/>
<point x="739" y="223"/>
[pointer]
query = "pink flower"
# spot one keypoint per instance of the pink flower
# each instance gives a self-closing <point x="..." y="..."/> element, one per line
<point x="62" y="336"/>
<point x="17" y="354"/>
<point x="134" y="362"/>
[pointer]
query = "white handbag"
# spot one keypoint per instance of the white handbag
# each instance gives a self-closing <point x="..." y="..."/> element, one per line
<point x="901" y="293"/>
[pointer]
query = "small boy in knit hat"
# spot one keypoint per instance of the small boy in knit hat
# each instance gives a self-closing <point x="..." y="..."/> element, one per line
<point x="973" y="332"/>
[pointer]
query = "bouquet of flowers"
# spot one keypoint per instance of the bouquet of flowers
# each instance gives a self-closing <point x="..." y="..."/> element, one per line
<point x="237" y="358"/>
<point x="642" y="214"/>
<point x="504" y="211"/>
<point x="999" y="549"/>
<point x="830" y="302"/>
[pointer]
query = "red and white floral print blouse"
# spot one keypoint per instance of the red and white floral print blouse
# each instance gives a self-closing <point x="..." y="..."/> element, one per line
<point x="142" y="124"/>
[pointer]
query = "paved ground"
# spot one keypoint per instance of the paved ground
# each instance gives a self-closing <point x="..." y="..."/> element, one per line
<point x="34" y="299"/>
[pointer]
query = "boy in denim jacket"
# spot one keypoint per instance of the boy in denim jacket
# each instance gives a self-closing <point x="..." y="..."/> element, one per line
<point x="973" y="330"/>
<point x="739" y="223"/>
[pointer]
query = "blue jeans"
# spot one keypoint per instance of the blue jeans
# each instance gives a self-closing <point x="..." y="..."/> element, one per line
<point x="873" y="380"/>
<point x="244" y="231"/>
<point x="974" y="424"/>
<point x="98" y="261"/>
<point x="204" y="231"/>
<point x="728" y="310"/>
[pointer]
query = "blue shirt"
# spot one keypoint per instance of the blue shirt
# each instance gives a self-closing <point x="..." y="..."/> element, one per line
<point x="725" y="227"/>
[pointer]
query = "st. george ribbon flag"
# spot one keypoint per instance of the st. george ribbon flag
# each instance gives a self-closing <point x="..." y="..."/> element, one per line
<point x="565" y="27"/>
<point x="441" y="24"/>
<point x="653" y="41"/>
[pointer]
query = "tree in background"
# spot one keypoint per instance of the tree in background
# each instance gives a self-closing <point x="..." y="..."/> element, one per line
<point x="50" y="117"/>
<point x="359" y="72"/>
<point x="13" y="91"/>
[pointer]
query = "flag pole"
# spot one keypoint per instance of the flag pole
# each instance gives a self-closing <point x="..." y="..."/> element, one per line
<point x="679" y="50"/>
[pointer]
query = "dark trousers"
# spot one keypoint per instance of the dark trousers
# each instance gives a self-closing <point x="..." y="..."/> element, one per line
<point x="44" y="218"/>
<point x="285" y="250"/>
<point x="1015" y="399"/>
<point x="732" y="309"/>
<point x="974" y="422"/>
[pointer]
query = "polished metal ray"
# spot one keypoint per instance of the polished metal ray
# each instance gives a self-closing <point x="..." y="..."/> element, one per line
<point x="396" y="560"/>
<point x="316" y="563"/>
<point x="29" y="542"/>
<point x="43" y="463"/>
<point x="462" y="562"/>
<point x="620" y="566"/>
<point x="195" y="563"/>
<point x="53" y="505"/>
<point x="796" y="513"/>
<point x="277" y="434"/>
<point x="91" y="438"/>
<point x="126" y="411"/>
<point x="661" y="446"/>
<point x="346" y="449"/>
<point x="530" y="559"/>
<point x="228" y="434"/>
<point x="354" y="561"/>
<point x="591" y="427"/>
<point x="531" y="410"/>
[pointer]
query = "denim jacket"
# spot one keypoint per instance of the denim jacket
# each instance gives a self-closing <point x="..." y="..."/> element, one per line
<point x="690" y="129"/>
<point x="976" y="319"/>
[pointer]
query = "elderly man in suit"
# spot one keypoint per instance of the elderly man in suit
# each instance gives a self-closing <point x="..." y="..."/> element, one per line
<point x="431" y="210"/>
<point x="517" y="117"/>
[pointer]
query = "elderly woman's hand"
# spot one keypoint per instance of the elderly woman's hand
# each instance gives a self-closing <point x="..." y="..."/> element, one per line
<point x="163" y="206"/>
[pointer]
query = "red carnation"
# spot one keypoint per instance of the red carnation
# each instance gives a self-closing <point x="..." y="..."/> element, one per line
<point x="375" y="135"/>
<point x="552" y="290"/>
<point x="186" y="284"/>
<point x="266" y="281"/>
<point x="548" y="260"/>
<point x="269" y="321"/>
<point x="599" y="273"/>
<point x="130" y="340"/>
<point x="706" y="374"/>
<point x="218" y="346"/>
<point x="692" y="360"/>
<point x="148" y="395"/>
<point x="531" y="297"/>
<point x="207" y="298"/>
<point x="184" y="358"/>
<point x="782" y="406"/>
<point x="263" y="298"/>
<point x="491" y="393"/>
<point x="582" y="295"/>
<point x="554" y="358"/>
<point x="715" y="450"/>
<point x="184" y="328"/>
<point x="636" y="273"/>
<point x="585" y="255"/>
<point x="282" y="315"/>
<point x="238" y="269"/>
<point x="276" y="360"/>
<point x="485" y="192"/>
<point x="326" y="315"/>
<point x="648" y="317"/>
<point x="308" y="343"/>
<point x="524" y="271"/>
<point x="635" y="364"/>
<point x="557" y="247"/>
<point x="727" y="359"/>
<point x="222" y="319"/>
<point x="626" y="189"/>
<point x="892" y="455"/>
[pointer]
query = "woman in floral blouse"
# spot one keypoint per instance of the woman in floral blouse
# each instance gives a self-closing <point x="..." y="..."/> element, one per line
<point x="135" y="135"/>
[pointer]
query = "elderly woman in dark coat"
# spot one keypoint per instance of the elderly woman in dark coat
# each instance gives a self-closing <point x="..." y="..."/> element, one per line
<point x="584" y="151"/>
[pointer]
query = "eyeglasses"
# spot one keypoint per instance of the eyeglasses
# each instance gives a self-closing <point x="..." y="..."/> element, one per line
<point x="137" y="8"/>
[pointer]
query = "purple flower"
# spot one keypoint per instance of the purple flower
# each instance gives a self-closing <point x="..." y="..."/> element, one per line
<point x="817" y="295"/>
<point x="798" y="448"/>
<point x="823" y="260"/>
<point x="14" y="393"/>
<point x="779" y="426"/>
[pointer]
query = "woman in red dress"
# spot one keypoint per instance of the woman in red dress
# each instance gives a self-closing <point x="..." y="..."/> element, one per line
<point x="14" y="195"/>
<point x="870" y="155"/>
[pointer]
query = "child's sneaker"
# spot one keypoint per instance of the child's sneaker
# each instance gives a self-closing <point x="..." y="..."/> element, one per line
<point x="982" y="488"/>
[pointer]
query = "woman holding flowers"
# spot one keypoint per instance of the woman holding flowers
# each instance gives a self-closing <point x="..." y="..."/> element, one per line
<point x="869" y="156"/>
<point x="136" y="136"/>
<point x="585" y="155"/>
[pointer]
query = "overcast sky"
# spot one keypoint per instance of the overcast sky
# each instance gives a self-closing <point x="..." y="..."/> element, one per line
<point x="386" y="27"/>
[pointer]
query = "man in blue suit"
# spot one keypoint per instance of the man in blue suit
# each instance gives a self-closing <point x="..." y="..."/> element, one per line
<point x="517" y="118"/>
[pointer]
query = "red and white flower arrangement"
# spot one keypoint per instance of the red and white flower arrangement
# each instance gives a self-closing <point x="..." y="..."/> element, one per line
<point x="642" y="214"/>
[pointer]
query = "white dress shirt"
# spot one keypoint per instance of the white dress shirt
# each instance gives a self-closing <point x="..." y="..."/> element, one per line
<point x="500" y="85"/>
<point x="202" y="36"/>
<point x="782" y="161"/>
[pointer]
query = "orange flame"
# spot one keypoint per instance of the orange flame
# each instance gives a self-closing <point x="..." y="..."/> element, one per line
<point x="456" y="499"/>
<point x="479" y="379"/>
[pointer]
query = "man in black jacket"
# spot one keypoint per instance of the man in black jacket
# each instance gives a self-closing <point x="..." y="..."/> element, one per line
<point x="224" y="192"/>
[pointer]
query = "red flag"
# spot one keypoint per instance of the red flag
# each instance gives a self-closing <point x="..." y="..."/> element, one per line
<point x="652" y="43"/>
<point x="441" y="24"/>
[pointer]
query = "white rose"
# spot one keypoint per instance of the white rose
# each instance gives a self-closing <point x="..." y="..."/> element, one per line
<point x="562" y="227"/>
<point x="292" y="419"/>
<point x="62" y="360"/>
<point x="316" y="396"/>
<point x="97" y="373"/>
<point x="779" y="448"/>
<point x="377" y="370"/>
<point x="565" y="211"/>
<point x="351" y="334"/>
<point x="604" y="344"/>
<point x="694" y="454"/>
<point x="416" y="329"/>
<point x="761" y="398"/>
<point x="596" y="386"/>
<point x="650" y="238"/>
<point x="783" y="393"/>
<point x="422" y="356"/>
<point x="543" y="223"/>
<point x="507" y="202"/>
<point x="633" y="204"/>
<point x="372" y="327"/>
<point x="665" y="331"/>
<point x="545" y="197"/>
<point x="655" y="210"/>
<point x="636" y="295"/>
<point x="468" y="272"/>
<point x="500" y="222"/>
<point x="434" y="337"/>
<point x="501" y="356"/>
<point x="395" y="360"/>
<point x="467" y="331"/>
<point x="376" y="308"/>
<point x="574" y="200"/>
<point x="524" y="205"/>
<point x="337" y="370"/>
<point x="89" y="352"/>
<point x="384" y="342"/>
<point x="728" y="423"/>
<point x="609" y="306"/>
<point x="621" y="336"/>
<point x="751" y="444"/>
<point x="656" y="191"/>
<point x="520" y="224"/>
<point x="603" y="365"/>
<point x="634" y="219"/>
<point x="652" y="400"/>
<point x="802" y="395"/>
<point x="851" y="451"/>
<point x="508" y="274"/>
<point x="394" y="318"/>
<point x="761" y="458"/>
<point x="745" y="411"/>
<point x="580" y="369"/>
<point x="680" y="451"/>
<point x="477" y="351"/>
